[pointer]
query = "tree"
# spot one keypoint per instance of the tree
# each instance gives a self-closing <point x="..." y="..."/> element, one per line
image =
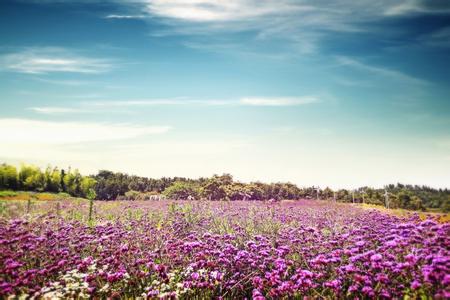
<point x="214" y="187"/>
<point x="257" y="191"/>
<point x="327" y="193"/>
<point x="405" y="199"/>
<point x="90" y="194"/>
<point x="31" y="178"/>
<point x="87" y="186"/>
<point x="52" y="180"/>
<point x="62" y="180"/>
<point x="237" y="191"/>
<point x="182" y="190"/>
<point x="8" y="177"/>
<point x="110" y="185"/>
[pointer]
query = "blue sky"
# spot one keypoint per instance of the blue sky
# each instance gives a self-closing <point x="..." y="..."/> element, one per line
<point x="332" y="93"/>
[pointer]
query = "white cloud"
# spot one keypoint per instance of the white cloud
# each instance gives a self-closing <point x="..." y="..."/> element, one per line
<point x="408" y="7"/>
<point x="55" y="110"/>
<point x="297" y="25"/>
<point x="381" y="71"/>
<point x="219" y="10"/>
<point x="65" y="82"/>
<point x="402" y="8"/>
<point x="125" y="17"/>
<point x="48" y="60"/>
<point x="94" y="106"/>
<point x="287" y="101"/>
<point x="17" y="131"/>
<point x="275" y="17"/>
<point x="156" y="102"/>
<point x="255" y="101"/>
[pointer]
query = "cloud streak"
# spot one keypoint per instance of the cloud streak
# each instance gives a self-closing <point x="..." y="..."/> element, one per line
<point x="59" y="133"/>
<point x="380" y="71"/>
<point x="55" y="110"/>
<point x="408" y="7"/>
<point x="279" y="101"/>
<point x="300" y="26"/>
<point x="51" y="60"/>
<point x="216" y="10"/>
<point x="94" y="106"/>
<point x="245" y="101"/>
<point x="125" y="17"/>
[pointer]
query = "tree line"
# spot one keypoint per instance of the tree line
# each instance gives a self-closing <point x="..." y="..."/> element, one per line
<point x="52" y="179"/>
<point x="119" y="186"/>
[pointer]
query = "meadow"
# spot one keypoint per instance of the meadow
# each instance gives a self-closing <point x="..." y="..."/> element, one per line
<point x="221" y="250"/>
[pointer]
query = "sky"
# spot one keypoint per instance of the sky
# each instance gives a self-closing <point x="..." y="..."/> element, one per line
<point x="331" y="93"/>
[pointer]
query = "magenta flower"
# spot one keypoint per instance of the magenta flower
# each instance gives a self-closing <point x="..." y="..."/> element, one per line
<point x="376" y="257"/>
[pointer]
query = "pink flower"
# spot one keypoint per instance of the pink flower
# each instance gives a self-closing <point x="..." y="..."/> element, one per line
<point x="415" y="285"/>
<point x="195" y="276"/>
<point x="376" y="257"/>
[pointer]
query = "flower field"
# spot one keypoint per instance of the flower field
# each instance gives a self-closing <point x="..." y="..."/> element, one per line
<point x="219" y="250"/>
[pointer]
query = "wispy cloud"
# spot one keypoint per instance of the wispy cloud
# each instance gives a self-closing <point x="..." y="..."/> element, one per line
<point x="64" y="82"/>
<point x="156" y="102"/>
<point x="252" y="101"/>
<point x="55" y="110"/>
<point x="407" y="7"/>
<point x="47" y="132"/>
<point x="48" y="60"/>
<point x="278" y="101"/>
<point x="93" y="106"/>
<point x="298" y="27"/>
<point x="125" y="17"/>
<point x="380" y="71"/>
<point x="216" y="10"/>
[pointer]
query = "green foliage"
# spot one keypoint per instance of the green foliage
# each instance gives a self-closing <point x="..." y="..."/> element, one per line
<point x="87" y="187"/>
<point x="132" y="195"/>
<point x="4" y="194"/>
<point x="63" y="195"/>
<point x="215" y="187"/>
<point x="238" y="191"/>
<point x="52" y="180"/>
<point x="108" y="185"/>
<point x="31" y="178"/>
<point x="91" y="194"/>
<point x="182" y="190"/>
<point x="8" y="177"/>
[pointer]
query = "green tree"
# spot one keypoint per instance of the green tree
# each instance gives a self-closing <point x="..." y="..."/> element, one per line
<point x="31" y="178"/>
<point x="182" y="190"/>
<point x="327" y="193"/>
<point x="237" y="191"/>
<point x="52" y="180"/>
<point x="8" y="177"/>
<point x="257" y="191"/>
<point x="214" y="187"/>
<point x="87" y="186"/>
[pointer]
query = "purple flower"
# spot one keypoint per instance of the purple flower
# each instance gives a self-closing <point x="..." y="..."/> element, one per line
<point x="62" y="263"/>
<point x="195" y="276"/>
<point x="376" y="257"/>
<point x="368" y="291"/>
<point x="415" y="285"/>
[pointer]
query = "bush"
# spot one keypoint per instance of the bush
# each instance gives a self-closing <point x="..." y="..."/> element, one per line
<point x="63" y="195"/>
<point x="132" y="195"/>
<point x="181" y="190"/>
<point x="7" y="194"/>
